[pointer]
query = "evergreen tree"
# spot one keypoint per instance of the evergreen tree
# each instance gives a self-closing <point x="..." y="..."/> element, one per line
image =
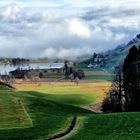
<point x="125" y="92"/>
<point x="131" y="72"/>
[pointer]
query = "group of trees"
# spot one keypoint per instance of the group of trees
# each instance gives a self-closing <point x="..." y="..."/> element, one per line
<point x="125" y="92"/>
<point x="15" y="61"/>
<point x="113" y="102"/>
<point x="70" y="72"/>
<point x="19" y="61"/>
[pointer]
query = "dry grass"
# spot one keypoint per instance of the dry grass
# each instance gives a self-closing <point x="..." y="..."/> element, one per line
<point x="89" y="90"/>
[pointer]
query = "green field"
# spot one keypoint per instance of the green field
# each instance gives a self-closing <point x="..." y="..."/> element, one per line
<point x="97" y="74"/>
<point x="100" y="77"/>
<point x="47" y="109"/>
<point x="122" y="126"/>
<point x="12" y="111"/>
<point x="48" y="117"/>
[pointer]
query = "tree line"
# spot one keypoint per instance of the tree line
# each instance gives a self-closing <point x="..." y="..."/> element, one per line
<point x="124" y="94"/>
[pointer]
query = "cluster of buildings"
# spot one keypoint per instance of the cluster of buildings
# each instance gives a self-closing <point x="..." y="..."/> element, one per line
<point x="97" y="60"/>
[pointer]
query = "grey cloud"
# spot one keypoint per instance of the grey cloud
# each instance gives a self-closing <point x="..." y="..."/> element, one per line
<point x="106" y="12"/>
<point x="27" y="31"/>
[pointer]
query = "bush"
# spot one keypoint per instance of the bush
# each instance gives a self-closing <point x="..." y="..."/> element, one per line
<point x="111" y="103"/>
<point x="40" y="75"/>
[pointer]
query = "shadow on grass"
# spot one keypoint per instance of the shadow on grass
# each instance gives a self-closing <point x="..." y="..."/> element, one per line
<point x="48" y="117"/>
<point x="69" y="99"/>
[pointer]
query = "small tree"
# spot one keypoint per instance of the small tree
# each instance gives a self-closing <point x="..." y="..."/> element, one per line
<point x="40" y="75"/>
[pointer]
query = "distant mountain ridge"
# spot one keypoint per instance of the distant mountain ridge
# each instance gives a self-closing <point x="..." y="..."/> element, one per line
<point x="116" y="56"/>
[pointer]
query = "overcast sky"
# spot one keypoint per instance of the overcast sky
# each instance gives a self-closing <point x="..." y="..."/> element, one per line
<point x="65" y="28"/>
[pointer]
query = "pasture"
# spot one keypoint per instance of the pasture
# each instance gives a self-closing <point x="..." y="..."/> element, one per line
<point x="86" y="93"/>
<point x="46" y="109"/>
<point x="98" y="75"/>
<point x="12" y="111"/>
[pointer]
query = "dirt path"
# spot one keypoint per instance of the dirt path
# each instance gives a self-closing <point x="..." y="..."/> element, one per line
<point x="66" y="132"/>
<point x="94" y="108"/>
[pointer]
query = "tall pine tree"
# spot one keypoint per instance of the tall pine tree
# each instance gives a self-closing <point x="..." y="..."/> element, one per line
<point x="131" y="73"/>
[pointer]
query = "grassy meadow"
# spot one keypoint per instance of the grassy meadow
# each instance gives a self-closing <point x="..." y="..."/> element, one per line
<point x="114" y="126"/>
<point x="12" y="111"/>
<point x="68" y="92"/>
<point x="47" y="109"/>
<point x="91" y="74"/>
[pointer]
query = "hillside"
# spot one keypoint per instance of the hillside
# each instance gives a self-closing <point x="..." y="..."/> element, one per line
<point x="113" y="126"/>
<point x="12" y="111"/>
<point x="115" y="56"/>
<point x="50" y="109"/>
<point x="40" y="118"/>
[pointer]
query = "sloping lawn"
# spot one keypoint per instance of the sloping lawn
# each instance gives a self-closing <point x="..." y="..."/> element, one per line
<point x="117" y="126"/>
<point x="51" y="109"/>
<point x="48" y="117"/>
<point x="12" y="111"/>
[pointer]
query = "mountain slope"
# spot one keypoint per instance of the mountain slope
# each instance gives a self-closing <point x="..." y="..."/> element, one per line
<point x="112" y="57"/>
<point x="116" y="56"/>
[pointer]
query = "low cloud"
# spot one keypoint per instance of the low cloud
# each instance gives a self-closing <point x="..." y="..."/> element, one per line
<point x="65" y="29"/>
<point x="79" y="28"/>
